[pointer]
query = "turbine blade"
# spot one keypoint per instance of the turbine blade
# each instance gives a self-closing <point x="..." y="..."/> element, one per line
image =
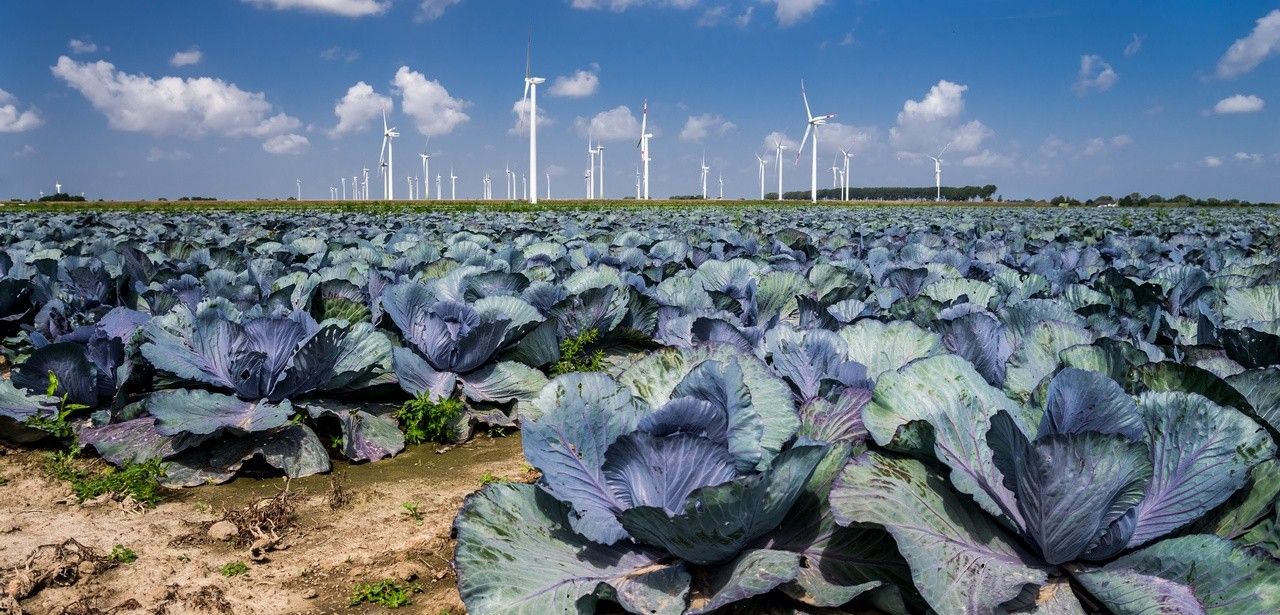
<point x="805" y="96"/>
<point x="803" y="141"/>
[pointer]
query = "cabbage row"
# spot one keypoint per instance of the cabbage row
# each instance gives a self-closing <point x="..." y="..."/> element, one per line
<point x="908" y="410"/>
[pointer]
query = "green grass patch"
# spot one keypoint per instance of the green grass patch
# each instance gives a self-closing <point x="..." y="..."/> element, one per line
<point x="423" y="420"/>
<point x="141" y="481"/>
<point x="234" y="569"/>
<point x="121" y="554"/>
<point x="576" y="354"/>
<point x="489" y="478"/>
<point x="411" y="509"/>
<point x="386" y="593"/>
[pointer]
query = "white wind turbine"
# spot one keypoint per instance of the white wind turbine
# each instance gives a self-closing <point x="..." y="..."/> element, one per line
<point x="778" y="147"/>
<point x="637" y="183"/>
<point x="509" y="182"/>
<point x="721" y="197"/>
<point x="548" y="185"/>
<point x="845" y="174"/>
<point x="453" y="185"/>
<point x="387" y="159"/>
<point x="937" y="172"/>
<point x="814" y="123"/>
<point x="762" y="165"/>
<point x="364" y="193"/>
<point x="835" y="173"/>
<point x="591" y="183"/>
<point x="299" y="182"/>
<point x="591" y="168"/>
<point x="344" y="187"/>
<point x="531" y="84"/>
<point x="484" y="193"/>
<point x="645" y="135"/>
<point x="524" y="185"/>
<point x="426" y="173"/>
<point x="355" y="189"/>
<point x="57" y="187"/>
<point x="705" y="170"/>
<point x="439" y="194"/>
<point x="600" y="175"/>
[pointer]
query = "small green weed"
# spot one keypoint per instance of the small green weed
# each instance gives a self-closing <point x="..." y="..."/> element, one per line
<point x="121" y="554"/>
<point x="58" y="425"/>
<point x="234" y="569"/>
<point x="411" y="509"/>
<point x="576" y="355"/>
<point x="423" y="420"/>
<point x="489" y="478"/>
<point x="138" y="480"/>
<point x="385" y="593"/>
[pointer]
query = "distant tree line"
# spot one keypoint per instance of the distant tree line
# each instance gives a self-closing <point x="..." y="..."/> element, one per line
<point x="198" y="198"/>
<point x="1135" y="199"/>
<point x="949" y="193"/>
<point x="60" y="197"/>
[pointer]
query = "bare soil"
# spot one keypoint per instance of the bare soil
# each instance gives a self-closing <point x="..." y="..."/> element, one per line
<point x="331" y="533"/>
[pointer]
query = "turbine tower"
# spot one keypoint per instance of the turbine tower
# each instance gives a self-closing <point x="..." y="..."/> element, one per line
<point x="531" y="94"/>
<point x="439" y="194"/>
<point x="299" y="181"/>
<point x="387" y="159"/>
<point x="705" y="170"/>
<point x="591" y="169"/>
<point x="453" y="185"/>
<point x="778" y="147"/>
<point x="762" y="164"/>
<point x="344" y="187"/>
<point x="645" y="135"/>
<point x="937" y="172"/>
<point x="845" y="173"/>
<point x="548" y="185"/>
<point x="637" y="183"/>
<point x="365" y="192"/>
<point x="509" y="182"/>
<point x="426" y="174"/>
<point x="57" y="187"/>
<point x="721" y="197"/>
<point x="814" y="123"/>
<point x="600" y="162"/>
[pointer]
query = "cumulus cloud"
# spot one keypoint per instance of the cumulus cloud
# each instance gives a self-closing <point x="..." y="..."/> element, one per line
<point x="697" y="127"/>
<point x="173" y="106"/>
<point x="1239" y="103"/>
<point x="78" y="46"/>
<point x="24" y="151"/>
<point x="1211" y="162"/>
<point x="289" y="144"/>
<point x="14" y="120"/>
<point x="1247" y="53"/>
<point x="1100" y="145"/>
<point x="358" y="108"/>
<point x="433" y="110"/>
<point x="854" y="139"/>
<point x="772" y="140"/>
<point x="580" y="84"/>
<point x="430" y="10"/>
<point x="342" y="8"/>
<point x="622" y="5"/>
<point x="616" y="124"/>
<point x="988" y="159"/>
<point x="1054" y="147"/>
<point x="189" y="57"/>
<point x="713" y="16"/>
<point x="932" y="122"/>
<point x="744" y="19"/>
<point x="1095" y="74"/>
<point x="521" y="111"/>
<point x="790" y="12"/>
<point x="1247" y="157"/>
<point x="1135" y="45"/>
<point x="157" y="154"/>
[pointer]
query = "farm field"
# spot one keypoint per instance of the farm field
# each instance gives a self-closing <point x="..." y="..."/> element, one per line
<point x="864" y="409"/>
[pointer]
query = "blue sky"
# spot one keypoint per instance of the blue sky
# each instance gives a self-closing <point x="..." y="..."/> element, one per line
<point x="237" y="98"/>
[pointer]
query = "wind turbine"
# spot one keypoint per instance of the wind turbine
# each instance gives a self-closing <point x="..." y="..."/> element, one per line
<point x="426" y="173"/>
<point x="645" y="135"/>
<point x="299" y="181"/>
<point x="705" y="170"/>
<point x="778" y="146"/>
<point x="548" y="185"/>
<point x="439" y="194"/>
<point x="453" y="185"/>
<point x="937" y="172"/>
<point x="762" y="164"/>
<point x="365" y="192"/>
<point x="524" y="185"/>
<point x="637" y="183"/>
<point x="387" y="159"/>
<point x="57" y="187"/>
<point x="485" y="193"/>
<point x="591" y="183"/>
<point x="721" y="197"/>
<point x="835" y="173"/>
<point x="355" y="189"/>
<point x="531" y="84"/>
<point x="600" y="177"/>
<point x="845" y="173"/>
<point x="814" y="123"/>
<point x="508" y="182"/>
<point x="344" y="187"/>
<point x="591" y="169"/>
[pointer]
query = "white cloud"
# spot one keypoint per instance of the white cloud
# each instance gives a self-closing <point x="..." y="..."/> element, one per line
<point x="1211" y="162"/>
<point x="24" y="151"/>
<point x="1095" y="74"/>
<point x="1247" y="53"/>
<point x="854" y="139"/>
<point x="1100" y="145"/>
<point x="790" y="12"/>
<point x="617" y="124"/>
<point x="1054" y="147"/>
<point x="156" y="154"/>
<point x="342" y="8"/>
<point x="521" y="111"/>
<point x="1247" y="157"/>
<point x="988" y="159"/>
<point x="713" y="16"/>
<point x="289" y="144"/>
<point x="744" y="19"/>
<point x="78" y="46"/>
<point x="13" y="120"/>
<point x="430" y="10"/>
<point x="848" y="39"/>
<point x="772" y="139"/>
<point x="433" y="110"/>
<point x="580" y="84"/>
<point x="169" y="106"/>
<point x="1239" y="103"/>
<point x="1135" y="45"/>
<point x="338" y="53"/>
<point x="932" y="122"/>
<point x="189" y="57"/>
<point x="697" y="127"/>
<point x="358" y="108"/>
<point x="618" y="6"/>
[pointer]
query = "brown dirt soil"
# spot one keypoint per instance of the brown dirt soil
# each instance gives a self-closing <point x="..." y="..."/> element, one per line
<point x="330" y="546"/>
